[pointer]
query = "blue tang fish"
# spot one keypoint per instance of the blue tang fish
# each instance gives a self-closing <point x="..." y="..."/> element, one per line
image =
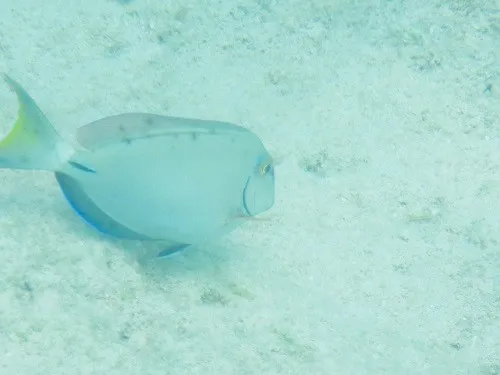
<point x="142" y="176"/>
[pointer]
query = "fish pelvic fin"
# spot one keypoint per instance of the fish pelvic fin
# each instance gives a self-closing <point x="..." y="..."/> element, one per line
<point x="32" y="143"/>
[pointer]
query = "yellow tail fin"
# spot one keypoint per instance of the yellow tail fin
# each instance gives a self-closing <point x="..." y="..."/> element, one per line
<point x="33" y="143"/>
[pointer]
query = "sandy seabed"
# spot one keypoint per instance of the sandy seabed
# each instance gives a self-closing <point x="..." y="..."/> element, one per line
<point x="382" y="252"/>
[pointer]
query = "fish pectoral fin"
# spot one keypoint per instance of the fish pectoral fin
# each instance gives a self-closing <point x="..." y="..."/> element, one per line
<point x="172" y="250"/>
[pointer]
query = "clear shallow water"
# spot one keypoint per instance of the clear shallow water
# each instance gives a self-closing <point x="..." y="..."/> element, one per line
<point x="381" y="254"/>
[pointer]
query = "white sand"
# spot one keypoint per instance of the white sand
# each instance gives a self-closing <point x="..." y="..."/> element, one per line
<point x="382" y="253"/>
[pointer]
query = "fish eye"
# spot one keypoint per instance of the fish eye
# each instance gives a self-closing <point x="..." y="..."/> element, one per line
<point x="265" y="169"/>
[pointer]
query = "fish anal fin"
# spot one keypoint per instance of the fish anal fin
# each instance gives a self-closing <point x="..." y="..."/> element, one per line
<point x="91" y="213"/>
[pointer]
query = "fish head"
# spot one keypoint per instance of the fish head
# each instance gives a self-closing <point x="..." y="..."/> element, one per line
<point x="258" y="194"/>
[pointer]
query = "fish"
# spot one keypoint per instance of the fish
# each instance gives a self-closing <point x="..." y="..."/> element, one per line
<point x="148" y="177"/>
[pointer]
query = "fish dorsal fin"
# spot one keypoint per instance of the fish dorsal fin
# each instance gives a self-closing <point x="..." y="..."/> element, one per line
<point x="128" y="127"/>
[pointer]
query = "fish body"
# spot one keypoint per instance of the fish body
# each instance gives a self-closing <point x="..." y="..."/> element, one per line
<point x="143" y="176"/>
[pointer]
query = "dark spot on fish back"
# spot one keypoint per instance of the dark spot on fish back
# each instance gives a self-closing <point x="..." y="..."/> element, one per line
<point x="194" y="136"/>
<point x="121" y="127"/>
<point x="149" y="121"/>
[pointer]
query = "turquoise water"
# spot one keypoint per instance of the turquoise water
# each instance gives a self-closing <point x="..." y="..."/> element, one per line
<point x="381" y="254"/>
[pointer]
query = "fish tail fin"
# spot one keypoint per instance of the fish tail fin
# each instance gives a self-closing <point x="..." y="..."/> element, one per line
<point x="32" y="143"/>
